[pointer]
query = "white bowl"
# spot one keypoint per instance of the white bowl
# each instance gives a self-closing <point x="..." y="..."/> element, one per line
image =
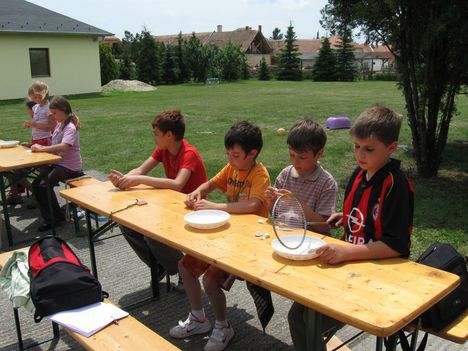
<point x="304" y="252"/>
<point x="207" y="219"/>
<point x="9" y="143"/>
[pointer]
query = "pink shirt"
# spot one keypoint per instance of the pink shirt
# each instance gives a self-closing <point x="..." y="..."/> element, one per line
<point x="71" y="159"/>
<point x="41" y="115"/>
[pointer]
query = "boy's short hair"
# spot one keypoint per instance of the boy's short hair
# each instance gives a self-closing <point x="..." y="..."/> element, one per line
<point x="30" y="104"/>
<point x="306" y="135"/>
<point x="170" y="120"/>
<point x="246" y="135"/>
<point x="378" y="122"/>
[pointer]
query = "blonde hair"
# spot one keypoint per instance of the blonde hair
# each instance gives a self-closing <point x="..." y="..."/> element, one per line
<point x="40" y="88"/>
<point x="61" y="104"/>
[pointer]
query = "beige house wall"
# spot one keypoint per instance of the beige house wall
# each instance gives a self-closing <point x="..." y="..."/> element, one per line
<point x="74" y="64"/>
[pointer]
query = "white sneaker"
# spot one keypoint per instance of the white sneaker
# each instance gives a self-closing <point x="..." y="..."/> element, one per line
<point x="219" y="339"/>
<point x="190" y="327"/>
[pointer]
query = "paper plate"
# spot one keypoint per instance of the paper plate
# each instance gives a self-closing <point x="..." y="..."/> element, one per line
<point x="10" y="143"/>
<point x="304" y="252"/>
<point x="206" y="219"/>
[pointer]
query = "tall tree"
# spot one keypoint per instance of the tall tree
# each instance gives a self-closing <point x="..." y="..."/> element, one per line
<point x="230" y="62"/>
<point x="276" y="35"/>
<point x="170" y="67"/>
<point x="126" y="65"/>
<point x="263" y="72"/>
<point x="289" y="63"/>
<point x="200" y="58"/>
<point x="429" y="41"/>
<point x="184" y="70"/>
<point x="346" y="69"/>
<point x="149" y="59"/>
<point x="109" y="68"/>
<point x="325" y="67"/>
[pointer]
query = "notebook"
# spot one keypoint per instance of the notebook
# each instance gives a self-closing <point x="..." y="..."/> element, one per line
<point x="89" y="319"/>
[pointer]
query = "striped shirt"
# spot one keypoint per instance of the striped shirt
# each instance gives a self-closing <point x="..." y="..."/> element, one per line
<point x="318" y="190"/>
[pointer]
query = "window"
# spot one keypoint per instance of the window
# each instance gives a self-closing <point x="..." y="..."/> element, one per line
<point x="39" y="59"/>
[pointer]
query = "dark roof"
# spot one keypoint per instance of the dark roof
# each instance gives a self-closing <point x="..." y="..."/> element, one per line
<point x="19" y="16"/>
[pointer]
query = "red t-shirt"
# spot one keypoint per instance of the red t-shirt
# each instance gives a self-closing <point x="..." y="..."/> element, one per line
<point x="189" y="158"/>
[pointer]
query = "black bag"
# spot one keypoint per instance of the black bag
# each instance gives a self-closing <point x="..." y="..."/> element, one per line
<point x="445" y="257"/>
<point x="58" y="279"/>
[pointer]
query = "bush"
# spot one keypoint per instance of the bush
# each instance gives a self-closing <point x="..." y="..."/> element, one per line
<point x="388" y="76"/>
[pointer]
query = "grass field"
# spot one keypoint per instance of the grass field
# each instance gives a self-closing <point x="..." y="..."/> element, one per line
<point x="116" y="133"/>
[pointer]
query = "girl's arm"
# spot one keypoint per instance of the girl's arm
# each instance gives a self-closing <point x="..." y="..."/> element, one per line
<point x="49" y="126"/>
<point x="52" y="148"/>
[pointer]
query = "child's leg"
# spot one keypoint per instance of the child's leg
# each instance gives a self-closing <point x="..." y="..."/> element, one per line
<point x="211" y="283"/>
<point x="192" y="287"/>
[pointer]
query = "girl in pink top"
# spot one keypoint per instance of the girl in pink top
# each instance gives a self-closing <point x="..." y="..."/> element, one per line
<point x="66" y="143"/>
<point x="42" y="122"/>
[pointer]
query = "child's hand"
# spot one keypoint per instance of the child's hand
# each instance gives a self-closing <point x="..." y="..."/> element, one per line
<point x="335" y="220"/>
<point x="37" y="148"/>
<point x="127" y="181"/>
<point x="191" y="199"/>
<point x="331" y="253"/>
<point x="271" y="193"/>
<point x="114" y="177"/>
<point x="204" y="204"/>
<point x="27" y="124"/>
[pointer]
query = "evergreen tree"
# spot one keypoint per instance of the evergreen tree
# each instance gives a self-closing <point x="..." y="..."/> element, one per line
<point x="346" y="69"/>
<point x="277" y="35"/>
<point x="325" y="66"/>
<point x="289" y="63"/>
<point x="263" y="72"/>
<point x="170" y="69"/>
<point x="126" y="65"/>
<point x="181" y="53"/>
<point x="148" y="60"/>
<point x="200" y="58"/>
<point x="109" y="68"/>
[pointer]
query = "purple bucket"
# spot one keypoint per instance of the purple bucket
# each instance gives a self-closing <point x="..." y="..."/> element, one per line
<point x="338" y="122"/>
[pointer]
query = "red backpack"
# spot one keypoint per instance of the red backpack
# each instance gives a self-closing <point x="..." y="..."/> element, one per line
<point x="58" y="279"/>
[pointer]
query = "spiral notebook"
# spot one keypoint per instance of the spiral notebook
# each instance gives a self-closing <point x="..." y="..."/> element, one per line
<point x="90" y="319"/>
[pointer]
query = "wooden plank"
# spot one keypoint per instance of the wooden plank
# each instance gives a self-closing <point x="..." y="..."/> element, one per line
<point x="457" y="331"/>
<point x="82" y="181"/>
<point x="334" y="343"/>
<point x="19" y="157"/>
<point x="378" y="296"/>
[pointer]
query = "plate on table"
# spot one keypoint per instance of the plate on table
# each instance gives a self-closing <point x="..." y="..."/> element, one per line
<point x="9" y="143"/>
<point x="207" y="219"/>
<point x="304" y="252"/>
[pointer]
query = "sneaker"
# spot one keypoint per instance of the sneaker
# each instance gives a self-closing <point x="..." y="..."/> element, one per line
<point x="190" y="327"/>
<point x="219" y="339"/>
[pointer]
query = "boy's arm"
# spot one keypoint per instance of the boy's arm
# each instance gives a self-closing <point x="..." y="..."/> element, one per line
<point x="335" y="253"/>
<point x="197" y="196"/>
<point x="241" y="206"/>
<point x="176" y="184"/>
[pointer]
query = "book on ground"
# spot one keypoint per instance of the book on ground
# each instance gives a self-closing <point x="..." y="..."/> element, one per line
<point x="89" y="319"/>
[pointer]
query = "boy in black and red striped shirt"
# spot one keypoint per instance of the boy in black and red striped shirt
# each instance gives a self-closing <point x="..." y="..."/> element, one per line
<point x="378" y="208"/>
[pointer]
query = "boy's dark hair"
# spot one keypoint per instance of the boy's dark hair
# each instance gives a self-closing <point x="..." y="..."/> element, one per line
<point x="30" y="104"/>
<point x="246" y="135"/>
<point x="378" y="122"/>
<point x="171" y="120"/>
<point x="306" y="135"/>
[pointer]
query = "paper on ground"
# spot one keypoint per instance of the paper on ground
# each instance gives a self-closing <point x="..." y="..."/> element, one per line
<point x="89" y="319"/>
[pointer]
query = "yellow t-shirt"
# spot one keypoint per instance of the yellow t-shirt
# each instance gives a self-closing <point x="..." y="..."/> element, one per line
<point x="239" y="185"/>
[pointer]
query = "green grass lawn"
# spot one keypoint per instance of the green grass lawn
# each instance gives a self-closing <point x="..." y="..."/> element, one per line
<point x="116" y="133"/>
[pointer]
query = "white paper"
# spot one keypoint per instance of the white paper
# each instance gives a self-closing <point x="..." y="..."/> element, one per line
<point x="89" y="319"/>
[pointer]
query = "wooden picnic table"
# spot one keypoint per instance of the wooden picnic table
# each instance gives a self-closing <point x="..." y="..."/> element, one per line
<point x="17" y="158"/>
<point x="377" y="296"/>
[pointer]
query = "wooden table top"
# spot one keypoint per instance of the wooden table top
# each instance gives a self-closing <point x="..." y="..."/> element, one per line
<point x="19" y="157"/>
<point x="378" y="296"/>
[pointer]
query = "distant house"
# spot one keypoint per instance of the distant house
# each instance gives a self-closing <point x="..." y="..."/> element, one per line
<point x="368" y="58"/>
<point x="39" y="44"/>
<point x="252" y="42"/>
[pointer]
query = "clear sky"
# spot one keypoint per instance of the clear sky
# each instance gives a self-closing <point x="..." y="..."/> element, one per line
<point x="172" y="16"/>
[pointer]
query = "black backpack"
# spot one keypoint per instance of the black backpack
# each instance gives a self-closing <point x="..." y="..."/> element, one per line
<point x="58" y="279"/>
<point x="446" y="258"/>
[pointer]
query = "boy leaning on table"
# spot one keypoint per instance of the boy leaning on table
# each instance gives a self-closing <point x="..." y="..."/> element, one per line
<point x="377" y="211"/>
<point x="244" y="181"/>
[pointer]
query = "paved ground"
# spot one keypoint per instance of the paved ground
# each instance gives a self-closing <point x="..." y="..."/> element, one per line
<point x="127" y="280"/>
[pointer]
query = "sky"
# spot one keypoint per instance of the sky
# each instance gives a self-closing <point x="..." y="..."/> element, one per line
<point x="173" y="16"/>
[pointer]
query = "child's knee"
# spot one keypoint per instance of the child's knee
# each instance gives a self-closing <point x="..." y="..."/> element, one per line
<point x="210" y="284"/>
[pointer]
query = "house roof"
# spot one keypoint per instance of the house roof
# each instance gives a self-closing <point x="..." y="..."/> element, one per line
<point x="19" y="16"/>
<point x="241" y="36"/>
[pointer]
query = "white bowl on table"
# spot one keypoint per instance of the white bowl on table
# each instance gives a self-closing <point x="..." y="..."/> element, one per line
<point x="207" y="219"/>
<point x="8" y="143"/>
<point x="306" y="251"/>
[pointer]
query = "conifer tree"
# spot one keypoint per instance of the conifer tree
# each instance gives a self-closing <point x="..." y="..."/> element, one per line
<point x="263" y="72"/>
<point x="148" y="60"/>
<point x="181" y="53"/>
<point x="289" y="63"/>
<point x="109" y="68"/>
<point x="346" y="69"/>
<point x="170" y="69"/>
<point x="325" y="65"/>
<point x="126" y="66"/>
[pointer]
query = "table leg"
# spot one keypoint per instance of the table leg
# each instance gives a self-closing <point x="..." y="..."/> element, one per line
<point x="5" y="212"/>
<point x="313" y="331"/>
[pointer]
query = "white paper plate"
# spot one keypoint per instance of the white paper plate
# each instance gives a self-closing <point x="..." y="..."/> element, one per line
<point x="304" y="252"/>
<point x="206" y="219"/>
<point x="9" y="143"/>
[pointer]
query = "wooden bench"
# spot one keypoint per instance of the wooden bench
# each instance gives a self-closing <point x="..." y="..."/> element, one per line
<point x="457" y="331"/>
<point x="129" y="334"/>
